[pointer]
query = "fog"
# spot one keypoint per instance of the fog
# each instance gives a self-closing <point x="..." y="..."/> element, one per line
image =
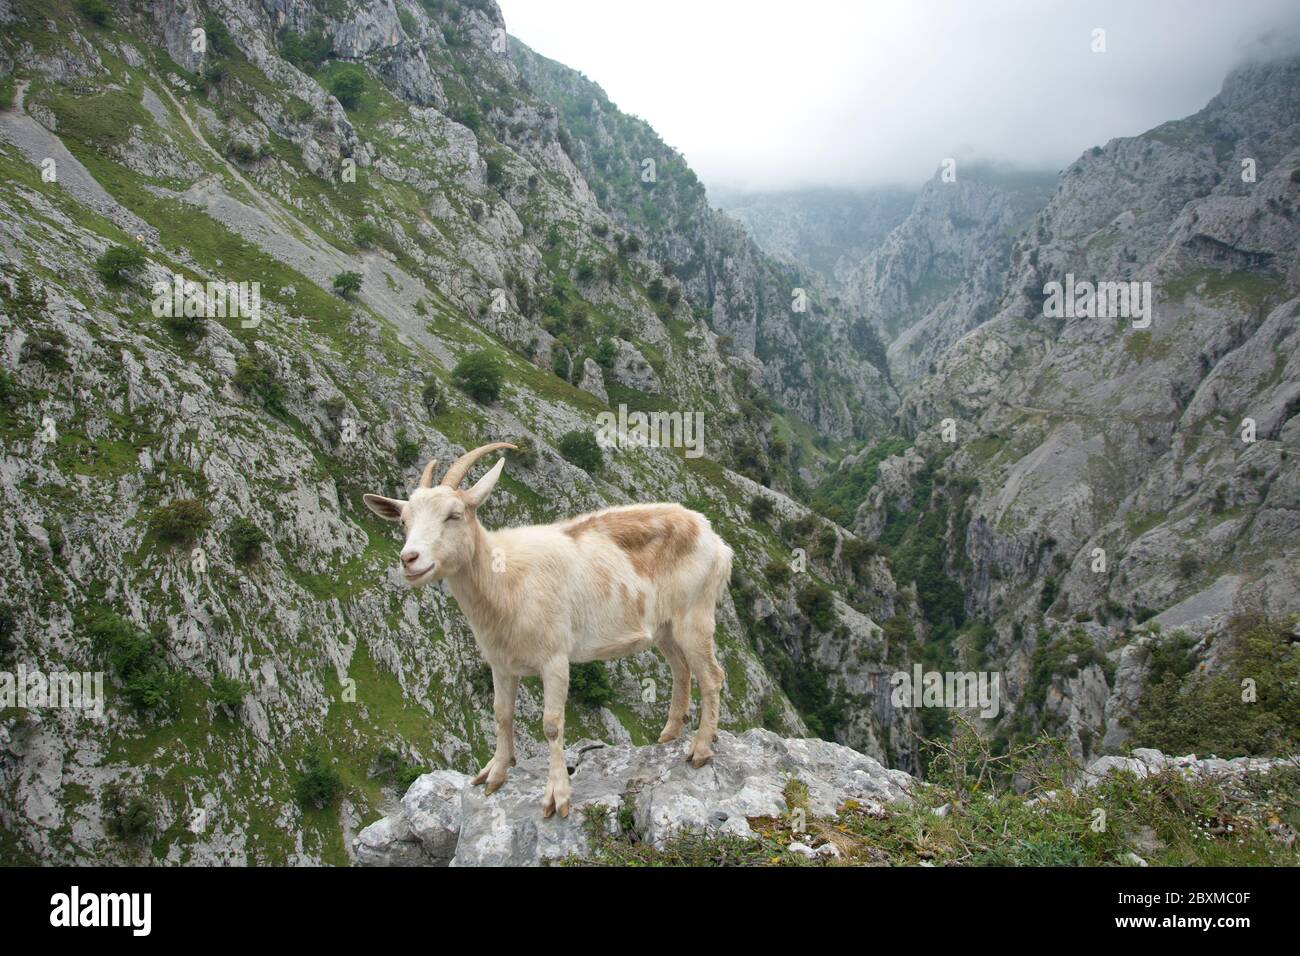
<point x="763" y="95"/>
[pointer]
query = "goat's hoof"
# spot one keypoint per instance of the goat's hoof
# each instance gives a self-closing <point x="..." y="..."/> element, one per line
<point x="492" y="787"/>
<point x="564" y="809"/>
<point x="668" y="736"/>
<point x="548" y="808"/>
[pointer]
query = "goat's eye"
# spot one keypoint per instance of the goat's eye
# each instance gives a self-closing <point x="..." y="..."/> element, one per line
<point x="452" y="516"/>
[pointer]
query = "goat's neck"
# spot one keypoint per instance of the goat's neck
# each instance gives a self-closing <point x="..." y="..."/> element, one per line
<point x="477" y="588"/>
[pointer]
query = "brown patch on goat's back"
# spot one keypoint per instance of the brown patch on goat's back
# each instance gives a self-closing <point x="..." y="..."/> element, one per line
<point x="654" y="539"/>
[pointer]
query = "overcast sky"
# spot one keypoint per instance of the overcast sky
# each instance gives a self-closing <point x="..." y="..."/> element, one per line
<point x="768" y="94"/>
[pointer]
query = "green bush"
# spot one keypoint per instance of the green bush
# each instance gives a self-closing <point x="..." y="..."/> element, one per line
<point x="181" y="521"/>
<point x="186" y="326"/>
<point x="778" y="572"/>
<point x="137" y="660"/>
<point x="347" y="86"/>
<point x="431" y="396"/>
<point x="818" y="605"/>
<point x="47" y="346"/>
<point x="96" y="11"/>
<point x="320" y="785"/>
<point x="581" y="448"/>
<point x="407" y="451"/>
<point x="219" y="40"/>
<point x="365" y="234"/>
<point x="256" y="374"/>
<point x="761" y="508"/>
<point x="589" y="683"/>
<point x="228" y="692"/>
<point x="8" y="91"/>
<point x="127" y="815"/>
<point x="246" y="540"/>
<point x="307" y="52"/>
<point x="479" y="377"/>
<point x="117" y="264"/>
<point x="1186" y="710"/>
<point x="347" y="284"/>
<point x="525" y="452"/>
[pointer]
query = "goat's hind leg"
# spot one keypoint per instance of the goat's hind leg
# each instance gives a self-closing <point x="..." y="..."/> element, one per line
<point x="697" y="645"/>
<point x="505" y="688"/>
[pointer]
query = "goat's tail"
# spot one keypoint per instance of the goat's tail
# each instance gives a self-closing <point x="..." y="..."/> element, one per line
<point x="720" y="574"/>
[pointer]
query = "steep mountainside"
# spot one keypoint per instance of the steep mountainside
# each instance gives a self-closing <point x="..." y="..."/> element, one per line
<point x="1123" y="479"/>
<point x="182" y="495"/>
<point x="937" y="274"/>
<point x="827" y="230"/>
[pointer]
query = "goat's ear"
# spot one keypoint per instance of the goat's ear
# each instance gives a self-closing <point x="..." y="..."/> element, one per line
<point x="479" y="493"/>
<point x="390" y="509"/>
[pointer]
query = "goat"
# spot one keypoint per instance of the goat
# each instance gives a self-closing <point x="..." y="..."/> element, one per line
<point x="597" y="587"/>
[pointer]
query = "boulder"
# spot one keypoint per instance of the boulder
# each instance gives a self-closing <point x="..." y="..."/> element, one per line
<point x="443" y="819"/>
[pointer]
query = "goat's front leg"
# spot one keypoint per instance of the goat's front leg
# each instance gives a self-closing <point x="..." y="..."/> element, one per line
<point x="505" y="687"/>
<point x="555" y="691"/>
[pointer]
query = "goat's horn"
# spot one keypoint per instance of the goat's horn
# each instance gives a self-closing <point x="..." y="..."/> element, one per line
<point x="457" y="472"/>
<point x="426" y="479"/>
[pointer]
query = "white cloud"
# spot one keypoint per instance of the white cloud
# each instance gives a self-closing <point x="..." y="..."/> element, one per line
<point x="765" y="94"/>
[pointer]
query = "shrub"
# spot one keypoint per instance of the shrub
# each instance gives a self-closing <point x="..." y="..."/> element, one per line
<point x="242" y="151"/>
<point x="256" y="374"/>
<point x="219" y="40"/>
<point x="319" y="785"/>
<point x="127" y="815"/>
<point x="406" y="452"/>
<point x="181" y="521"/>
<point x="96" y="11"/>
<point x="1188" y="565"/>
<point x="347" y="86"/>
<point x="818" y="605"/>
<point x="228" y="692"/>
<point x="581" y="448"/>
<point x="761" y="508"/>
<point x="496" y="170"/>
<point x="137" y="660"/>
<point x="8" y="89"/>
<point x="186" y="326"/>
<point x="561" y="364"/>
<point x="1184" y="710"/>
<point x="347" y="284"/>
<point x="778" y="572"/>
<point x="47" y="346"/>
<point x="479" y="377"/>
<point x="589" y="683"/>
<point x="246" y="540"/>
<point x="307" y="52"/>
<point x="365" y="234"/>
<point x="116" y="264"/>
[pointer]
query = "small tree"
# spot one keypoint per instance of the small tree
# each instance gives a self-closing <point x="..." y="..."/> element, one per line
<point x="246" y="540"/>
<point x="256" y="374"/>
<point x="365" y="234"/>
<point x="760" y="508"/>
<point x="479" y="377"/>
<point x="347" y="86"/>
<point x="581" y="448"/>
<point x="228" y="692"/>
<point x="181" y="521"/>
<point x="347" y="284"/>
<point x="116" y="264"/>
<point x="320" y="784"/>
<point x="589" y="683"/>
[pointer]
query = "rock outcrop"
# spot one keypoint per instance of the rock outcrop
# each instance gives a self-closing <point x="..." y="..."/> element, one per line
<point x="443" y="819"/>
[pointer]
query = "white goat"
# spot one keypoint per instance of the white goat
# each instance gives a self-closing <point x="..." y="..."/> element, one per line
<point x="596" y="587"/>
